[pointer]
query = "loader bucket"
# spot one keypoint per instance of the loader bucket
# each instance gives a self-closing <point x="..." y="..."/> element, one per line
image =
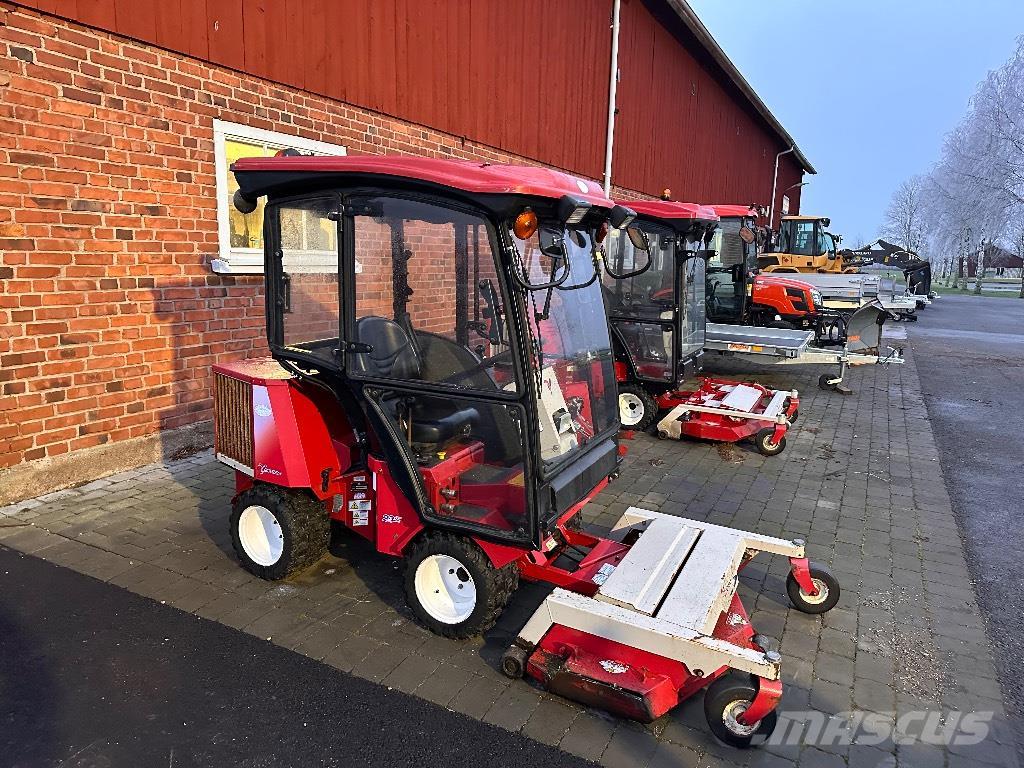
<point x="864" y="329"/>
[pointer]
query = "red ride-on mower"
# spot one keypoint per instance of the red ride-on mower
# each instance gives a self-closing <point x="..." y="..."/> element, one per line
<point x="414" y="399"/>
<point x="658" y="320"/>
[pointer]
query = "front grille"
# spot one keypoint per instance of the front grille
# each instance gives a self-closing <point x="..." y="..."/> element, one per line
<point x="233" y="420"/>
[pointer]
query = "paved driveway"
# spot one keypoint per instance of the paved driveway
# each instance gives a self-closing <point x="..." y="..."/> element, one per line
<point x="860" y="480"/>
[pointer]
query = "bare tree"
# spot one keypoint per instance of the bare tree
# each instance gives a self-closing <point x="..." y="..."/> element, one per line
<point x="905" y="217"/>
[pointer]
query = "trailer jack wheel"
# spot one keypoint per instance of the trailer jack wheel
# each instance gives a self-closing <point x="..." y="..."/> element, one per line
<point x="764" y="440"/>
<point x="826" y="596"/>
<point x="827" y="383"/>
<point x="725" y="702"/>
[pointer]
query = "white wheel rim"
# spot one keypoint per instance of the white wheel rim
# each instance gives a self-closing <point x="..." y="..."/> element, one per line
<point x="260" y="535"/>
<point x="819" y="598"/>
<point x="730" y="715"/>
<point x="445" y="589"/>
<point x="631" y="409"/>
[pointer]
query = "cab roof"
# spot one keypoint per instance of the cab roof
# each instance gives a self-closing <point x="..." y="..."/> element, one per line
<point x="259" y="175"/>
<point x="802" y="217"/>
<point x="734" y="211"/>
<point x="672" y="212"/>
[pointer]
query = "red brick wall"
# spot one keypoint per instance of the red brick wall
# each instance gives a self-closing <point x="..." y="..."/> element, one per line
<point x="110" y="316"/>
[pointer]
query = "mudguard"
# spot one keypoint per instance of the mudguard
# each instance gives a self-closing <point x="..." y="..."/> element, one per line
<point x="864" y="329"/>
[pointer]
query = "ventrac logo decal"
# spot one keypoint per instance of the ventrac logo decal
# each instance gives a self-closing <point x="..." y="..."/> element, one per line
<point x="391" y="518"/>
<point x="262" y="410"/>
<point x="263" y="469"/>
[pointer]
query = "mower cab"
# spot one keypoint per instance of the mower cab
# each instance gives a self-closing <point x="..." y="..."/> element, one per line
<point x="452" y="311"/>
<point x="658" y="317"/>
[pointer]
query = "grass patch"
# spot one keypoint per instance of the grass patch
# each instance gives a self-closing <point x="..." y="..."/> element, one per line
<point x="944" y="291"/>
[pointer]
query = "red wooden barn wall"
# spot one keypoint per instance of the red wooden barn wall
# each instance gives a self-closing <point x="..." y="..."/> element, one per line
<point x="683" y="125"/>
<point x="517" y="76"/>
<point x="529" y="77"/>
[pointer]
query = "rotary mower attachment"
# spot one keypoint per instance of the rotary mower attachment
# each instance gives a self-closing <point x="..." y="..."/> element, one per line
<point x="667" y="622"/>
<point x="725" y="411"/>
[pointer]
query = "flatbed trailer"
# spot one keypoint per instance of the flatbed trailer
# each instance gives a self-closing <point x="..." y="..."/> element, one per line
<point x="851" y="291"/>
<point x="781" y="346"/>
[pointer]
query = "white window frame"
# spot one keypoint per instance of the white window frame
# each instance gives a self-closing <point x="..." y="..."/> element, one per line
<point x="248" y="261"/>
<point x="785" y="205"/>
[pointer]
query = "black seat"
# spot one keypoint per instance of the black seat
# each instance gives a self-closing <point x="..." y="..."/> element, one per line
<point x="435" y="420"/>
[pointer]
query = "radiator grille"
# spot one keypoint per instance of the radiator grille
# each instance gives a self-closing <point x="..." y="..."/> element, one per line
<point x="233" y="419"/>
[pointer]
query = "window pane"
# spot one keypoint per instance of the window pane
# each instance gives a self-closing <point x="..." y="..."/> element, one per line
<point x="428" y="299"/>
<point x="246" y="228"/>
<point x="309" y="261"/>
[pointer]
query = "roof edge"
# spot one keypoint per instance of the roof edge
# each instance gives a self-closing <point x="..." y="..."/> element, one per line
<point x="704" y="37"/>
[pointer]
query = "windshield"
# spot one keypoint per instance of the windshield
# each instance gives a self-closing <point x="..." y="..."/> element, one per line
<point x="797" y="237"/>
<point x="571" y="351"/>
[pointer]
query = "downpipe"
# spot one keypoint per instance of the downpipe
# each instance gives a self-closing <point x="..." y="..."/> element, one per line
<point x="613" y="83"/>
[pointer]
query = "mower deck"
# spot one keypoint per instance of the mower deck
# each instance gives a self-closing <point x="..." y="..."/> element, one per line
<point x="726" y="411"/>
<point x="670" y="607"/>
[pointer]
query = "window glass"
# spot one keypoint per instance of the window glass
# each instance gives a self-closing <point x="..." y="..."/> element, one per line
<point x="802" y="238"/>
<point x="428" y="298"/>
<point x="571" y="354"/>
<point x="692" y="309"/>
<point x="241" y="235"/>
<point x="309" y="266"/>
<point x="647" y="295"/>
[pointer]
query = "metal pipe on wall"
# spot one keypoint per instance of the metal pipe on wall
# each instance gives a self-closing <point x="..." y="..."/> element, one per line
<point x="775" y="182"/>
<point x="613" y="82"/>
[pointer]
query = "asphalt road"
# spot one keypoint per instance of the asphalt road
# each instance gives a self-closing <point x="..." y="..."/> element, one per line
<point x="970" y="355"/>
<point x="92" y="675"/>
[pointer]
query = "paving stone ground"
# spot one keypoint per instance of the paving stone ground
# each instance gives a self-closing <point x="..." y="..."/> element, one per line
<point x="860" y="481"/>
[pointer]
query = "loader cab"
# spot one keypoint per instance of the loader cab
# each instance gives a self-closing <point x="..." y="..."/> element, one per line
<point x="732" y="263"/>
<point x="802" y="244"/>
<point x="658" y="317"/>
<point x="454" y="312"/>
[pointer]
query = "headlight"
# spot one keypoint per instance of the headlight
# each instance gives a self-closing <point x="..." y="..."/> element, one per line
<point x="816" y="298"/>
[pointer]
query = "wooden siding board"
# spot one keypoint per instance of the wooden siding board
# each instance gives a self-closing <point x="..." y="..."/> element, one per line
<point x="489" y="71"/>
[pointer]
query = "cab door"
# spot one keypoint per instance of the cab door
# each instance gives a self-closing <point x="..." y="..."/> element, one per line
<point x="642" y="310"/>
<point x="726" y="274"/>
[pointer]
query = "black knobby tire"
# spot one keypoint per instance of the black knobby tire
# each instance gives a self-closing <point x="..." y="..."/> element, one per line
<point x="763" y="441"/>
<point x="645" y="403"/>
<point x="825" y="383"/>
<point x="723" y="700"/>
<point x="818" y="603"/>
<point x="494" y="586"/>
<point x="304" y="529"/>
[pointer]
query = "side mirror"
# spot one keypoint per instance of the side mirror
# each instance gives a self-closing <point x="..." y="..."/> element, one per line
<point x="746" y="235"/>
<point x="641" y="244"/>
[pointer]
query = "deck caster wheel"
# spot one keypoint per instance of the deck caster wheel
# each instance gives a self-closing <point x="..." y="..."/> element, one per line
<point x="662" y="434"/>
<point x="793" y="417"/>
<point x="725" y="700"/>
<point x="825" y="382"/>
<point x="277" y="532"/>
<point x="452" y="587"/>
<point x="513" y="662"/>
<point x="637" y="408"/>
<point x="828" y="591"/>
<point x="763" y="441"/>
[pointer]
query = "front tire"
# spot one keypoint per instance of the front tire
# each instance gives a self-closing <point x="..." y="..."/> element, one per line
<point x="278" y="532"/>
<point x="726" y="699"/>
<point x="452" y="587"/>
<point x="637" y="408"/>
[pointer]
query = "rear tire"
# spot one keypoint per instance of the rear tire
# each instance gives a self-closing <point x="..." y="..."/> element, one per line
<point x="637" y="408"/>
<point x="727" y="698"/>
<point x="763" y="441"/>
<point x="452" y="587"/>
<point x="277" y="532"/>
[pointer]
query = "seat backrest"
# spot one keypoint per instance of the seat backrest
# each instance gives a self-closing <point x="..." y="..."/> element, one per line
<point x="392" y="355"/>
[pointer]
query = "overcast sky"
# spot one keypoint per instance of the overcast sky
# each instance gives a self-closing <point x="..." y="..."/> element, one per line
<point x="868" y="88"/>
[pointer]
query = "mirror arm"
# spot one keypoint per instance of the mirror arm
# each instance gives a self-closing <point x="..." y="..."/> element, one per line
<point x="531" y="287"/>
